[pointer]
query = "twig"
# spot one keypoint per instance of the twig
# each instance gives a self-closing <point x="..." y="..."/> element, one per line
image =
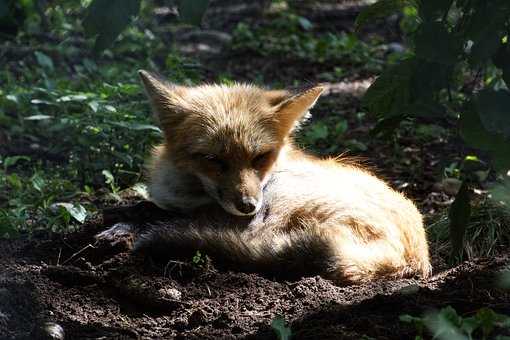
<point x="79" y="252"/>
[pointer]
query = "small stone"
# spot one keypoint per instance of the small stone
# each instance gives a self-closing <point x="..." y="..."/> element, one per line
<point x="48" y="331"/>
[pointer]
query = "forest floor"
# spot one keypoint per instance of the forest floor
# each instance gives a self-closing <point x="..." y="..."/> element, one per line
<point x="99" y="291"/>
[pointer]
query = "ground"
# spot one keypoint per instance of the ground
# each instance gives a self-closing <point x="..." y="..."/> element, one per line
<point x="98" y="290"/>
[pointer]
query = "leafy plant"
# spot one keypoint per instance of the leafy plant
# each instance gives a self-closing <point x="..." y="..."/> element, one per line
<point x="290" y="35"/>
<point x="106" y="19"/>
<point x="282" y="331"/>
<point x="447" y="324"/>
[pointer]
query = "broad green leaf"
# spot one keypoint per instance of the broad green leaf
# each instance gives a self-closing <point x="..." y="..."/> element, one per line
<point x="433" y="42"/>
<point x="137" y="126"/>
<point x="15" y="181"/>
<point x="305" y="23"/>
<point x="473" y="132"/>
<point x="106" y="19"/>
<point x="38" y="183"/>
<point x="502" y="60"/>
<point x="484" y="49"/>
<point x="73" y="98"/>
<point x="488" y="18"/>
<point x="380" y="9"/>
<point x="77" y="211"/>
<point x="44" y="61"/>
<point x="444" y="325"/>
<point x="38" y="117"/>
<point x="390" y="94"/>
<point x="282" y="332"/>
<point x="192" y="12"/>
<point x="108" y="176"/>
<point x="12" y="160"/>
<point x="4" y="9"/>
<point x="386" y="126"/>
<point x="494" y="111"/>
<point x="459" y="214"/>
<point x="433" y="9"/>
<point x="317" y="131"/>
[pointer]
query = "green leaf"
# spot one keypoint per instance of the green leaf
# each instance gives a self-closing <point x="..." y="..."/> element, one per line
<point x="38" y="183"/>
<point x="433" y="42"/>
<point x="433" y="9"/>
<point x="479" y="29"/>
<point x="12" y="160"/>
<point x="459" y="215"/>
<point x="77" y="211"/>
<point x="73" y="98"/>
<point x="380" y="9"/>
<point x="106" y="19"/>
<point x="137" y="126"/>
<point x="502" y="60"/>
<point x="108" y="176"/>
<point x="38" y="117"/>
<point x="390" y="94"/>
<point x="386" y="126"/>
<point x="305" y="23"/>
<point x="282" y="332"/>
<point x="15" y="181"/>
<point x="192" y="12"/>
<point x="4" y="9"/>
<point x="485" y="49"/>
<point x="317" y="131"/>
<point x="494" y="111"/>
<point x="44" y="61"/>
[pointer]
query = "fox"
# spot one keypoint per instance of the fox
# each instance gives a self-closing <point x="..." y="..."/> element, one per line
<point x="250" y="197"/>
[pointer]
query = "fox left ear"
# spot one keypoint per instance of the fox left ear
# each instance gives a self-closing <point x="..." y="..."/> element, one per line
<point x="290" y="110"/>
<point x="164" y="98"/>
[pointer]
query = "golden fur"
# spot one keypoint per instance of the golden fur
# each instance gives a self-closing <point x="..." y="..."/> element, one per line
<point x="283" y="210"/>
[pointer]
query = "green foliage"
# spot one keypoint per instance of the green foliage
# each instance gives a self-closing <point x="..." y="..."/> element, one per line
<point x="460" y="212"/>
<point x="289" y="35"/>
<point x="447" y="324"/>
<point x="192" y="12"/>
<point x="106" y="19"/>
<point x="380" y="9"/>
<point x="77" y="126"/>
<point x="417" y="86"/>
<point x="486" y="233"/>
<point x="282" y="332"/>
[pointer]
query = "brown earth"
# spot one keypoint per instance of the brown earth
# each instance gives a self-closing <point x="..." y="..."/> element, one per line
<point x="100" y="291"/>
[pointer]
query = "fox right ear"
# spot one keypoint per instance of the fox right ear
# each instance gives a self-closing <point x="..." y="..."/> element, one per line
<point x="162" y="96"/>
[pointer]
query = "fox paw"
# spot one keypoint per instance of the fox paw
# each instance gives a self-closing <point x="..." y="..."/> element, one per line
<point x="119" y="232"/>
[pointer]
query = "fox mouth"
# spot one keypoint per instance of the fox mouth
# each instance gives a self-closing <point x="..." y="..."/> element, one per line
<point x="229" y="206"/>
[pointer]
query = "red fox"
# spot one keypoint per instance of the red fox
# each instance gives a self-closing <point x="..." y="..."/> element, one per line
<point x="256" y="200"/>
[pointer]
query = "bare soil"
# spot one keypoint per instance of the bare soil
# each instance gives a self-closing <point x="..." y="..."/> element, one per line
<point x="101" y="291"/>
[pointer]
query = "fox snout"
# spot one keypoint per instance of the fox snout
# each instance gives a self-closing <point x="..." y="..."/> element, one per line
<point x="241" y="196"/>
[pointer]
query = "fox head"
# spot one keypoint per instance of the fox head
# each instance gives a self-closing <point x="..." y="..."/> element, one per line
<point x="229" y="137"/>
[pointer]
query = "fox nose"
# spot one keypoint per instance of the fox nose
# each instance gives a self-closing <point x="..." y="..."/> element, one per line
<point x="247" y="205"/>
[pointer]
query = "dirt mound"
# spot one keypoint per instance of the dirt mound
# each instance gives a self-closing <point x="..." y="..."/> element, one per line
<point x="98" y="291"/>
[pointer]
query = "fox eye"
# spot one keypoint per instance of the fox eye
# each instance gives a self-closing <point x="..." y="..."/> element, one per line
<point x="261" y="159"/>
<point x="212" y="160"/>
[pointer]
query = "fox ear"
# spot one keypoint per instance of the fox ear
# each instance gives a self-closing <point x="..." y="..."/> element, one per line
<point x="162" y="96"/>
<point x="292" y="109"/>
